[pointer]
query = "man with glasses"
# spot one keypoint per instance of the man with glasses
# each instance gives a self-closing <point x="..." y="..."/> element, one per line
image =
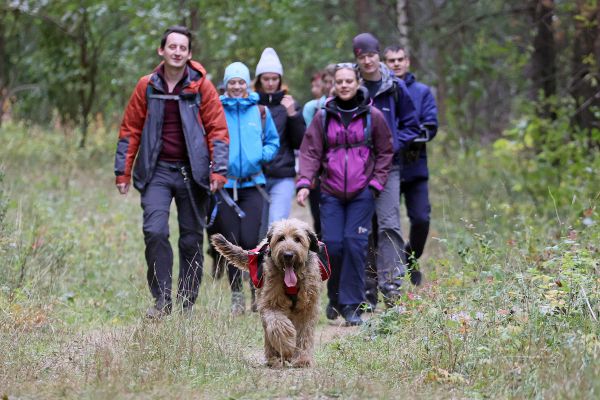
<point x="415" y="174"/>
<point x="389" y="95"/>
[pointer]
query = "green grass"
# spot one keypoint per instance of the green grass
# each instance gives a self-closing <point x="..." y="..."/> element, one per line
<point x="510" y="307"/>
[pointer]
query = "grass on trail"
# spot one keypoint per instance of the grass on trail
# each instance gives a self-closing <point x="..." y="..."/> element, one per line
<point x="509" y="308"/>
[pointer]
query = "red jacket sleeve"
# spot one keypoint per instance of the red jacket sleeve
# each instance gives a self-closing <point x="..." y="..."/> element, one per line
<point x="131" y="131"/>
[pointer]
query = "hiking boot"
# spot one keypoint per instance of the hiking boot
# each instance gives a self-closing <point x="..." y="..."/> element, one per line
<point x="413" y="266"/>
<point x="161" y="308"/>
<point x="391" y="294"/>
<point x="352" y="315"/>
<point x="369" y="307"/>
<point x="371" y="303"/>
<point x="331" y="311"/>
<point x="238" y="304"/>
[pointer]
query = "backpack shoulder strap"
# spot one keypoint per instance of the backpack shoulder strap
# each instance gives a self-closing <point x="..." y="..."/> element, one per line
<point x="368" y="128"/>
<point x="195" y="96"/>
<point x="324" y="121"/>
<point x="263" y="115"/>
<point x="263" y="119"/>
<point x="396" y="88"/>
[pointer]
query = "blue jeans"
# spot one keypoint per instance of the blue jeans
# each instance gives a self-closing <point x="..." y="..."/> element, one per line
<point x="281" y="191"/>
<point x="345" y="227"/>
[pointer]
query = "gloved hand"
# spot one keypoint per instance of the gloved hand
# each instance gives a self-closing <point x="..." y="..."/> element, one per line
<point x="374" y="191"/>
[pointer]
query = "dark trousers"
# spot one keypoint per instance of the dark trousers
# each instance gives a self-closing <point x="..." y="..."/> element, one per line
<point x="243" y="232"/>
<point x="166" y="184"/>
<point x="418" y="209"/>
<point x="313" y="198"/>
<point x="345" y="227"/>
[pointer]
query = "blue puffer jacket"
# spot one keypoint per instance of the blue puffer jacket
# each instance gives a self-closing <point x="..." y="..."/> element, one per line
<point x="249" y="146"/>
<point x="427" y="111"/>
<point x="398" y="110"/>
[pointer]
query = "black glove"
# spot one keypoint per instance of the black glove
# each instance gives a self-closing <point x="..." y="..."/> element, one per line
<point x="374" y="191"/>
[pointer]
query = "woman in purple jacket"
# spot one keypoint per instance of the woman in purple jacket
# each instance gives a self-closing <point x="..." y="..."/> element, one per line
<point x="349" y="146"/>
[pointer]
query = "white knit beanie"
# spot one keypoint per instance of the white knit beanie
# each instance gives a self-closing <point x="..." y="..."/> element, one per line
<point x="269" y="62"/>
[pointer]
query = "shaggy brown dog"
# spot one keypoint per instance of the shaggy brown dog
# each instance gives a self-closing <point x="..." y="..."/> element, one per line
<point x="288" y="322"/>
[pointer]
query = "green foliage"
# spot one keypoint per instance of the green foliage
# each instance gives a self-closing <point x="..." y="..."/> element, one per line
<point x="509" y="308"/>
<point x="550" y="160"/>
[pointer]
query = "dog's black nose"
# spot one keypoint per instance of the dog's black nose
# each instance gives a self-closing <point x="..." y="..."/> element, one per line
<point x="288" y="255"/>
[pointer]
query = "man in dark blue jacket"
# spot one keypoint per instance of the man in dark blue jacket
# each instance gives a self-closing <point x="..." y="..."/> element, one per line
<point x="390" y="96"/>
<point x="415" y="174"/>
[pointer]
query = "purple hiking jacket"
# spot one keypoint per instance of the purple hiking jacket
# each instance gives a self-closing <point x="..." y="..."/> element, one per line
<point x="348" y="165"/>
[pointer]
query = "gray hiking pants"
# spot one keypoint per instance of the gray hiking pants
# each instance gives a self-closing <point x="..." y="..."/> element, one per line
<point x="390" y="246"/>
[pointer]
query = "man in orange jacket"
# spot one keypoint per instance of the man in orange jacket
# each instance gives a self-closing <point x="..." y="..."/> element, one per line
<point x="174" y="140"/>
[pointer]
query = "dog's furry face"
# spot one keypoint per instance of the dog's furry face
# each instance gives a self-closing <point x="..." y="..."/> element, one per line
<point x="289" y="241"/>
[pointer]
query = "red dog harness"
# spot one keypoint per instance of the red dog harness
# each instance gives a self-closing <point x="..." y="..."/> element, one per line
<point x="256" y="256"/>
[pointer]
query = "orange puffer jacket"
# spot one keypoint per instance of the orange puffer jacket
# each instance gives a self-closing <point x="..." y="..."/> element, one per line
<point x="203" y="123"/>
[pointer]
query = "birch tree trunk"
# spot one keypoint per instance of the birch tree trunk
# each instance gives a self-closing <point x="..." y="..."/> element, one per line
<point x="402" y="23"/>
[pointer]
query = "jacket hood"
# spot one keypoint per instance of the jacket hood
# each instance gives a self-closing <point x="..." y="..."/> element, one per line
<point x="387" y="79"/>
<point x="195" y="74"/>
<point x="244" y="102"/>
<point x="409" y="79"/>
<point x="195" y="66"/>
<point x="362" y="96"/>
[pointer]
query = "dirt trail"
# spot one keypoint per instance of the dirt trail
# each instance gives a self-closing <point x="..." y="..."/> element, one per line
<point x="324" y="335"/>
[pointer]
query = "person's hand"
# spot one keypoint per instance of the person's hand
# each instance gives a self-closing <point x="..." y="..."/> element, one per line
<point x="289" y="104"/>
<point x="216" y="184"/>
<point x="301" y="197"/>
<point x="123" y="188"/>
<point x="374" y="192"/>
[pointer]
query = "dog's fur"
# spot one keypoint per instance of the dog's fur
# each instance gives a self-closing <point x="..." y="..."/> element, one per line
<point x="289" y="329"/>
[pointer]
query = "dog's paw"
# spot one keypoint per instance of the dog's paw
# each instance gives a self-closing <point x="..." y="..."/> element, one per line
<point x="275" y="362"/>
<point x="302" y="361"/>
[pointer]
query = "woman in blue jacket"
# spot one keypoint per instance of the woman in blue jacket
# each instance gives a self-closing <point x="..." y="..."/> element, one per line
<point x="253" y="141"/>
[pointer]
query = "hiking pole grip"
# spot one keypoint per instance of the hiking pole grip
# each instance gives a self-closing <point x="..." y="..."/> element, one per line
<point x="229" y="201"/>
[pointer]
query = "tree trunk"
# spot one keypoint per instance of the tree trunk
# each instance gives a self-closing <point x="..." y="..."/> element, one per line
<point x="543" y="61"/>
<point x="362" y="15"/>
<point x="586" y="71"/>
<point x="3" y="61"/>
<point x="402" y="23"/>
<point x="84" y="65"/>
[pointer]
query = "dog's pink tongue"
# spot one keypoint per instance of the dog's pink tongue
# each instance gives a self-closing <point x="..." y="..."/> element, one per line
<point x="290" y="278"/>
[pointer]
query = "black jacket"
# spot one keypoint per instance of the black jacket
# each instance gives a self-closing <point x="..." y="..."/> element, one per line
<point x="291" y="131"/>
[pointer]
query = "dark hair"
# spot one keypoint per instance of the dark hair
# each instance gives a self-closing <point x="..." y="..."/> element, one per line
<point x="176" y="29"/>
<point x="316" y="76"/>
<point x="259" y="89"/>
<point x="396" y="48"/>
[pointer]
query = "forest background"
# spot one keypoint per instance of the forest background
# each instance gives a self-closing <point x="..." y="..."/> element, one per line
<point x="511" y="304"/>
